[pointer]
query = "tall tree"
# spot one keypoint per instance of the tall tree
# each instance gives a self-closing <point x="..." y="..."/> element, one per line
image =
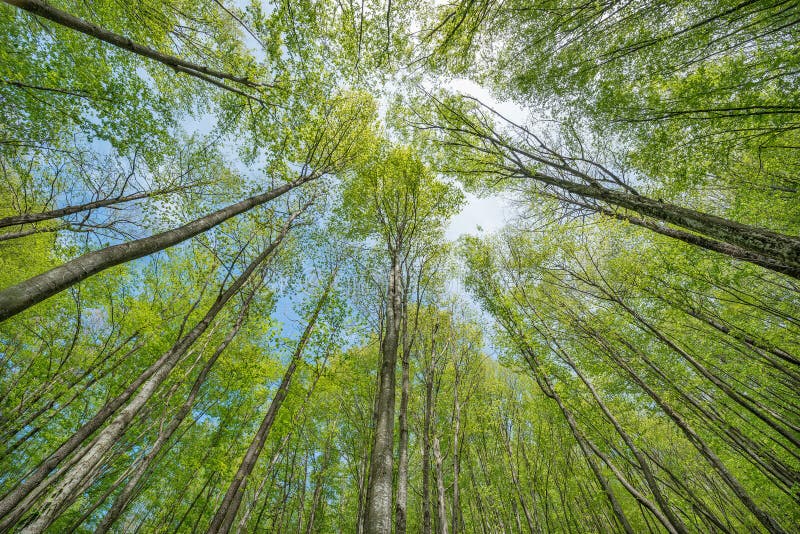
<point x="397" y="200"/>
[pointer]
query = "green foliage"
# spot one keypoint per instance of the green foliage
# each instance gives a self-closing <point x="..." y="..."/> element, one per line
<point x="565" y="358"/>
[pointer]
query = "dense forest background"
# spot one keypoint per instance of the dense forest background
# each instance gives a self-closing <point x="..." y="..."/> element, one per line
<point x="231" y="298"/>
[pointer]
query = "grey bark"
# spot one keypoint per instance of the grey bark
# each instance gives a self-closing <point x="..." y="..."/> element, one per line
<point x="28" y="486"/>
<point x="441" y="507"/>
<point x="427" y="522"/>
<point x="669" y="520"/>
<point x="586" y="449"/>
<point x="74" y="480"/>
<point x="721" y="247"/>
<point x="456" y="510"/>
<point x="42" y="9"/>
<point x="378" y="519"/>
<point x="402" y="447"/>
<point x="124" y="498"/>
<point x="226" y="513"/>
<point x="515" y="476"/>
<point x="23" y="295"/>
<point x="769" y="522"/>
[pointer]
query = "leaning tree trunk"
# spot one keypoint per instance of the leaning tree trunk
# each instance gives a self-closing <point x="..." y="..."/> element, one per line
<point x="669" y="520"/>
<point x="548" y="390"/>
<point x="543" y="381"/>
<point x="769" y="522"/>
<point x="30" y="218"/>
<point x="379" y="486"/>
<point x="721" y="247"/>
<point x="78" y="476"/>
<point x="123" y="499"/>
<point x="23" y="295"/>
<point x="276" y="456"/>
<point x="763" y="247"/>
<point x="27" y="489"/>
<point x="226" y="513"/>
<point x="37" y="7"/>
<point x="773" y="250"/>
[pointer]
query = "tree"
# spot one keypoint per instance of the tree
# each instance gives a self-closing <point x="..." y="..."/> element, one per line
<point x="396" y="200"/>
<point x="236" y="291"/>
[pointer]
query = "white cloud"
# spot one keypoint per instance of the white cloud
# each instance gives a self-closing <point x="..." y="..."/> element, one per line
<point x="481" y="215"/>
<point x="508" y="109"/>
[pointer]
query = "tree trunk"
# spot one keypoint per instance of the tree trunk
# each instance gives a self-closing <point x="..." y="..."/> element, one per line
<point x="379" y="486"/>
<point x="226" y="513"/>
<point x="669" y="520"/>
<point x="426" y="450"/>
<point x="721" y="247"/>
<point x="547" y="389"/>
<point x="37" y="7"/>
<point x="745" y="401"/>
<point x="402" y="447"/>
<point x="123" y="499"/>
<point x="515" y="476"/>
<point x="246" y="515"/>
<point x="455" y="514"/>
<point x="28" y="487"/>
<point x="733" y="483"/>
<point x="30" y="218"/>
<point x="441" y="507"/>
<point x="23" y="295"/>
<point x="778" y="251"/>
<point x="75" y="479"/>
<point x="319" y="486"/>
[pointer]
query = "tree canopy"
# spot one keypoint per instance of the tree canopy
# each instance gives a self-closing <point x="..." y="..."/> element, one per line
<point x="243" y="287"/>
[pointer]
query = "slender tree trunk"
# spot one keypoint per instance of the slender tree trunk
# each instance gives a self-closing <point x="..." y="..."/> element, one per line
<point x="274" y="460"/>
<point x="23" y="295"/>
<point x="746" y="402"/>
<point x="319" y="486"/>
<point x="226" y="513"/>
<point x="547" y="389"/>
<point x="669" y="520"/>
<point x="30" y="218"/>
<point x="731" y="481"/>
<point x="441" y="499"/>
<point x="743" y="337"/>
<point x="456" y="506"/>
<point x="402" y="448"/>
<point x="426" y="450"/>
<point x="28" y="487"/>
<point x="97" y="503"/>
<point x="40" y="8"/>
<point x="91" y="371"/>
<point x="75" y="478"/>
<point x="123" y="499"/>
<point x="379" y="486"/>
<point x="285" y="519"/>
<point x="515" y="476"/>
